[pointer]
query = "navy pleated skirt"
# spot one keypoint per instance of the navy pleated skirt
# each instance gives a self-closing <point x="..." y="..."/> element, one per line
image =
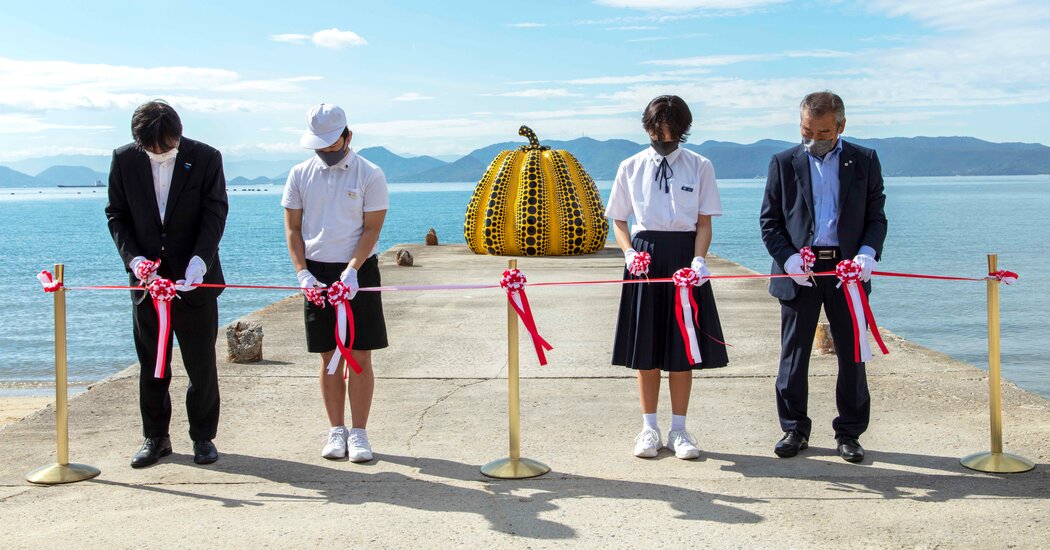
<point x="647" y="333"/>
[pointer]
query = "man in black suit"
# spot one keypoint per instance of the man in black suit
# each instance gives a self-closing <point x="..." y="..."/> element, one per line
<point x="826" y="194"/>
<point x="167" y="201"/>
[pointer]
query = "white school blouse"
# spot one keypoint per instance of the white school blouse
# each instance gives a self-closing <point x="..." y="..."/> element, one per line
<point x="636" y="193"/>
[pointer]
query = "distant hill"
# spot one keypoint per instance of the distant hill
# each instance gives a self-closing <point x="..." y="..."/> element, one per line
<point x="14" y="178"/>
<point x="918" y="156"/>
<point x="71" y="175"/>
<point x="396" y="167"/>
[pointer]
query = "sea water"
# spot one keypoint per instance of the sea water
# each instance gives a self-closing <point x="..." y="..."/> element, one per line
<point x="936" y="226"/>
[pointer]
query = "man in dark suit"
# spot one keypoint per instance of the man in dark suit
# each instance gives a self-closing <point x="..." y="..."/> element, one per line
<point x="826" y="194"/>
<point x="167" y="202"/>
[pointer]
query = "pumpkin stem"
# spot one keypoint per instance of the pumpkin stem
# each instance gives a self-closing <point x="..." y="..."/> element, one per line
<point x="534" y="142"/>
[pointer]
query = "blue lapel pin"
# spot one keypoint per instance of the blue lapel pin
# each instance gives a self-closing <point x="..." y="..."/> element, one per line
<point x="187" y="165"/>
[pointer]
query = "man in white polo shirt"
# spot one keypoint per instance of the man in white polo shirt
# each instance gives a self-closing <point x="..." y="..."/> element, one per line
<point x="335" y="203"/>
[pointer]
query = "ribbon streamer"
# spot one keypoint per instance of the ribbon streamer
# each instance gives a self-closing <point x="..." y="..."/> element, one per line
<point x="145" y="269"/>
<point x="860" y="312"/>
<point x="1003" y="276"/>
<point x="513" y="281"/>
<point x="163" y="292"/>
<point x="339" y="296"/>
<point x="686" y="311"/>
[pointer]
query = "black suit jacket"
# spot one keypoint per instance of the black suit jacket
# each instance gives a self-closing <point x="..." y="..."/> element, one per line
<point x="787" y="218"/>
<point x="194" y="219"/>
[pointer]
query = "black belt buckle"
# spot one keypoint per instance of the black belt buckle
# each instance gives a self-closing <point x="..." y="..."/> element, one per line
<point x="827" y="254"/>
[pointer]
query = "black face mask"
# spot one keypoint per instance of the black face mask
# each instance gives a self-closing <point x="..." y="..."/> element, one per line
<point x="664" y="148"/>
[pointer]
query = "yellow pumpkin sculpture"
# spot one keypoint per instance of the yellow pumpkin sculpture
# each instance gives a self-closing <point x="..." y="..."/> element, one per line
<point x="535" y="201"/>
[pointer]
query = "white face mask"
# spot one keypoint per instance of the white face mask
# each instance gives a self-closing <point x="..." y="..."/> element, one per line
<point x="162" y="157"/>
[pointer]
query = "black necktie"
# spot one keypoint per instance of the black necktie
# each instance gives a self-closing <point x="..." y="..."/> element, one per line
<point x="663" y="174"/>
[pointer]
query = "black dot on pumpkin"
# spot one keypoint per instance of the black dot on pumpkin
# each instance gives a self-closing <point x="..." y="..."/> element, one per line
<point x="531" y="251"/>
<point x="531" y="241"/>
<point x="531" y="230"/>
<point x="532" y="210"/>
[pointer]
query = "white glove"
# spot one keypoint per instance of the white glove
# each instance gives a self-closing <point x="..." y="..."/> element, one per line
<point x="307" y="280"/>
<point x="699" y="266"/>
<point x="867" y="265"/>
<point x="793" y="267"/>
<point x="349" y="278"/>
<point x="628" y="257"/>
<point x="194" y="275"/>
<point x="133" y="266"/>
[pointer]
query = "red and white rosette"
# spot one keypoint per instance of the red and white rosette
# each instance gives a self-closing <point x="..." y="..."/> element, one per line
<point x="145" y="269"/>
<point x="339" y="297"/>
<point x="163" y="292"/>
<point x="513" y="281"/>
<point x="315" y="296"/>
<point x="849" y="273"/>
<point x="48" y="280"/>
<point x="809" y="259"/>
<point x="686" y="311"/>
<point x="640" y="264"/>
<point x="1003" y="276"/>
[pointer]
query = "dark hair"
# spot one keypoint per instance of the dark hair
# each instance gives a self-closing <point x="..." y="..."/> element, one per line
<point x="819" y="104"/>
<point x="670" y="111"/>
<point x="156" y="125"/>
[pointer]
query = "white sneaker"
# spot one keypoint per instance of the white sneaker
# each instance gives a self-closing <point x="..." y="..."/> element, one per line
<point x="683" y="444"/>
<point x="358" y="449"/>
<point x="647" y="443"/>
<point x="336" y="446"/>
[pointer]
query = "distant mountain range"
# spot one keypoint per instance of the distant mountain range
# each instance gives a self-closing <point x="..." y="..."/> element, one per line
<point x="918" y="156"/>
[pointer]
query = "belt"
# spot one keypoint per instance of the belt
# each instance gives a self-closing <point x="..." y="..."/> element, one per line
<point x="827" y="252"/>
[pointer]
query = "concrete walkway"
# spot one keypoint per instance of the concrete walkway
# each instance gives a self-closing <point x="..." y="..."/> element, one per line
<point x="440" y="412"/>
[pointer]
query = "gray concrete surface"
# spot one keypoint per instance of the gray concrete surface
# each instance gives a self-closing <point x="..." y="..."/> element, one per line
<point x="440" y="412"/>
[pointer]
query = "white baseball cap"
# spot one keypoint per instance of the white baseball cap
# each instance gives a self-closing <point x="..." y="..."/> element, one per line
<point x="324" y="125"/>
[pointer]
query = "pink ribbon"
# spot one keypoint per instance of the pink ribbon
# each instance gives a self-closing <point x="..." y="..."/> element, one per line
<point x="849" y="273"/>
<point x="513" y="281"/>
<point x="339" y="296"/>
<point x="163" y="292"/>
<point x="46" y="279"/>
<point x="686" y="311"/>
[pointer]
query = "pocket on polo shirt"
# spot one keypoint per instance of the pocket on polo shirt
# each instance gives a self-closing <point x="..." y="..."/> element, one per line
<point x="353" y="201"/>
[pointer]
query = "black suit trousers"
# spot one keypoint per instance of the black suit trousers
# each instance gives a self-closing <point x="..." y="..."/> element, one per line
<point x="195" y="325"/>
<point x="798" y="324"/>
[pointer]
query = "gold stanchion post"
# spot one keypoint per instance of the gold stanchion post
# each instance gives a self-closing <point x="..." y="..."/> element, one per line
<point x="995" y="461"/>
<point x="63" y="471"/>
<point x="514" y="467"/>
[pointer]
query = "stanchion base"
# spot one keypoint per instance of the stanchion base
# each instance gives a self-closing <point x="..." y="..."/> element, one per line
<point x="58" y="473"/>
<point x="997" y="463"/>
<point x="509" y="468"/>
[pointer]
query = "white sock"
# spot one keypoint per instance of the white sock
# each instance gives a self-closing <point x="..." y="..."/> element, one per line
<point x="677" y="422"/>
<point x="649" y="421"/>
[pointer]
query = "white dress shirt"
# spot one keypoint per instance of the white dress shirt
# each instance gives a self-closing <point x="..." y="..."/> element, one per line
<point x="162" y="172"/>
<point x="334" y="201"/>
<point x="692" y="192"/>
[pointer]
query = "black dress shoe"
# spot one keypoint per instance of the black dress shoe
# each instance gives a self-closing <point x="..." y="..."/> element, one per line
<point x="789" y="445"/>
<point x="850" y="449"/>
<point x="204" y="452"/>
<point x="152" y="450"/>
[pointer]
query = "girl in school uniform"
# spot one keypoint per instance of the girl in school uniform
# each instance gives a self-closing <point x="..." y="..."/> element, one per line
<point x="671" y="194"/>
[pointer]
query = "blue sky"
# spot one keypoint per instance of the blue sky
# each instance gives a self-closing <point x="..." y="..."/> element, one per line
<point x="444" y="78"/>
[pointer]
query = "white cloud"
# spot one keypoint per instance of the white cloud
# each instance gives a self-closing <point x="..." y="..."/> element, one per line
<point x="62" y="85"/>
<point x="539" y="93"/>
<point x="290" y="38"/>
<point x="633" y="28"/>
<point x="20" y="123"/>
<point x="333" y="39"/>
<point x="13" y="155"/>
<point x="336" y="39"/>
<point x="722" y="60"/>
<point x="527" y="25"/>
<point x="687" y="5"/>
<point x="412" y="96"/>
